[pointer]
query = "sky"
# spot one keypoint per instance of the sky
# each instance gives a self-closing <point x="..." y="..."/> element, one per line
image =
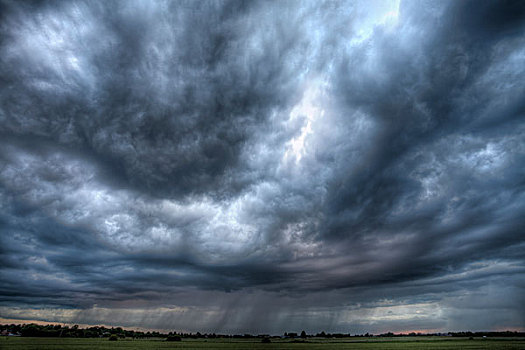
<point x="263" y="167"/>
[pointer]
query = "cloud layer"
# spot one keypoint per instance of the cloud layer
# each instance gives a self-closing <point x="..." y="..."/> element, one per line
<point x="248" y="166"/>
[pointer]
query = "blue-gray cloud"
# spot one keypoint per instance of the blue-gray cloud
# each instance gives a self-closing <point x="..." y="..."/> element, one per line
<point x="235" y="164"/>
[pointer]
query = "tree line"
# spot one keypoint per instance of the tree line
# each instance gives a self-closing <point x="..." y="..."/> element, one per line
<point x="36" y="330"/>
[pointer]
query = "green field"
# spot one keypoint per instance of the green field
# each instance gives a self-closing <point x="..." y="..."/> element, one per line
<point x="18" y="343"/>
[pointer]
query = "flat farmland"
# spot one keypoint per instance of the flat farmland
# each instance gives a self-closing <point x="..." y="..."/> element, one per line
<point x="430" y="343"/>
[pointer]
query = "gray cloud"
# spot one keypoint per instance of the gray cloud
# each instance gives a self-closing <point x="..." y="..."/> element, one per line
<point x="227" y="165"/>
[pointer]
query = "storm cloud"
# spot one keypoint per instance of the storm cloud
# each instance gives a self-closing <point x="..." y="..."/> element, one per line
<point x="245" y="166"/>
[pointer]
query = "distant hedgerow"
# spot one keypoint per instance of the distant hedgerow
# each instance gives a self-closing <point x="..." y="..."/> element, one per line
<point x="173" y="338"/>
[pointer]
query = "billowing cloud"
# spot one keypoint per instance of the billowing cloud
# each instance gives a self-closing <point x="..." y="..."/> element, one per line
<point x="251" y="166"/>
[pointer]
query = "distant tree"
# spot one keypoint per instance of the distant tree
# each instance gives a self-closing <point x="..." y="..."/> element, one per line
<point x="89" y="334"/>
<point x="303" y="334"/>
<point x="30" y="330"/>
<point x="113" y="337"/>
<point x="173" y="338"/>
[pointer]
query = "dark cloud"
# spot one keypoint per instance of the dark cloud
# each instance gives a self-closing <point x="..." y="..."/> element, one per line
<point x="231" y="165"/>
<point x="167" y="92"/>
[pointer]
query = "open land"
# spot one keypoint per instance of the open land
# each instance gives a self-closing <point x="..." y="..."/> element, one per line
<point x="430" y="343"/>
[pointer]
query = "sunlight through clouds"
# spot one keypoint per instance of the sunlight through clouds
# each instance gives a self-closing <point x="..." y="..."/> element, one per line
<point x="240" y="166"/>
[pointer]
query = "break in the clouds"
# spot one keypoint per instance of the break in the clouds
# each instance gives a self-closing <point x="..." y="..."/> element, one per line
<point x="244" y="166"/>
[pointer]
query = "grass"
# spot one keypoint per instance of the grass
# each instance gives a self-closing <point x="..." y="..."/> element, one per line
<point x="431" y="343"/>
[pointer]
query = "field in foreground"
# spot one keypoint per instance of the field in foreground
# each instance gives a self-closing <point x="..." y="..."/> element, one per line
<point x="432" y="343"/>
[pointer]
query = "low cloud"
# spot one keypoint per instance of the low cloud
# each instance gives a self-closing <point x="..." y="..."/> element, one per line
<point x="229" y="166"/>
